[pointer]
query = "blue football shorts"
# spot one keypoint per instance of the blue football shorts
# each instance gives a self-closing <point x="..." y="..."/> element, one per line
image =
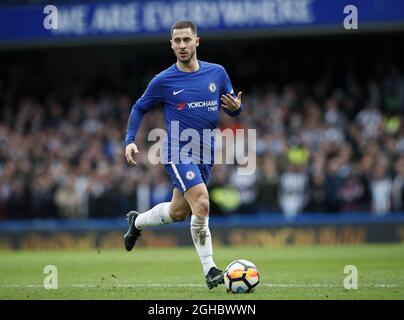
<point x="185" y="176"/>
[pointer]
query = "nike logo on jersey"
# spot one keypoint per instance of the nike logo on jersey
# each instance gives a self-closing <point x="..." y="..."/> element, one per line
<point x="177" y="92"/>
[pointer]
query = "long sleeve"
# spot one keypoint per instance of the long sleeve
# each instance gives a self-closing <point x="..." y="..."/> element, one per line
<point x="134" y="122"/>
<point x="150" y="98"/>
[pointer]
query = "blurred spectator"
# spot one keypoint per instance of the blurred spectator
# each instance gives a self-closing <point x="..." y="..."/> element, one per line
<point x="17" y="204"/>
<point x="369" y="120"/>
<point x="267" y="186"/>
<point x="43" y="197"/>
<point x="350" y="194"/>
<point x="398" y="185"/>
<point x="381" y="187"/>
<point x="334" y="182"/>
<point x="318" y="193"/>
<point x="293" y="190"/>
<point x="224" y="199"/>
<point x="297" y="153"/>
<point x="245" y="185"/>
<point x="67" y="200"/>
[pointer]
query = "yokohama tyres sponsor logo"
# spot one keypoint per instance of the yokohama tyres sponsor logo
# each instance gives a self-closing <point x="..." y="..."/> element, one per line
<point x="197" y="104"/>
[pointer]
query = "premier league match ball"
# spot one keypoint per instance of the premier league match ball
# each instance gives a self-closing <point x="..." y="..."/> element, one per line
<point x="241" y="276"/>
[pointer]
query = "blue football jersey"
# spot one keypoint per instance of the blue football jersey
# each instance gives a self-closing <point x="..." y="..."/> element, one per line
<point x="191" y="102"/>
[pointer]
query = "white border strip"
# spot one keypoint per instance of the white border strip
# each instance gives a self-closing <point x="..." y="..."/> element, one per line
<point x="178" y="176"/>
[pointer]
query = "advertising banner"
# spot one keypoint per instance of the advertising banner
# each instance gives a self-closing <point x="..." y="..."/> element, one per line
<point x="139" y="19"/>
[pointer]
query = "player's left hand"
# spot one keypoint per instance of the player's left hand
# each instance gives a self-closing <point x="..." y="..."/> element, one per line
<point x="231" y="103"/>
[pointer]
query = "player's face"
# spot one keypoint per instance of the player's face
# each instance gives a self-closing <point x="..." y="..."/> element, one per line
<point x="184" y="43"/>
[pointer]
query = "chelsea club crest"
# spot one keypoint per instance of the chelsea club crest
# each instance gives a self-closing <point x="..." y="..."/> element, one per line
<point x="212" y="87"/>
<point x="190" y="175"/>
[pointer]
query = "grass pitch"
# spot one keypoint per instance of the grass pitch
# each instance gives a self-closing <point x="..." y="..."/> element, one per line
<point x="286" y="273"/>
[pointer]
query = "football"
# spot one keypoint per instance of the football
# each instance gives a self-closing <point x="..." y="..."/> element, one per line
<point x="241" y="276"/>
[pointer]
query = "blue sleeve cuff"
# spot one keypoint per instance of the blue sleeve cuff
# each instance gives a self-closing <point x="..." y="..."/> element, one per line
<point x="234" y="113"/>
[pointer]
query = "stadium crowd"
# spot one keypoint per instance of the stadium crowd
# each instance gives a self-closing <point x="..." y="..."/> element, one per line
<point x="319" y="149"/>
<point x="326" y="144"/>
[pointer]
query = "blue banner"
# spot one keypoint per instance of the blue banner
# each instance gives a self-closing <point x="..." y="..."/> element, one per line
<point x="133" y="19"/>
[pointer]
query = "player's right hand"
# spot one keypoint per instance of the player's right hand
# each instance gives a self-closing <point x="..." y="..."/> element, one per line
<point x="131" y="149"/>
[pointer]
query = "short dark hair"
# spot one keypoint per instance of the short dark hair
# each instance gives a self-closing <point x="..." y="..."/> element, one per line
<point x="184" y="24"/>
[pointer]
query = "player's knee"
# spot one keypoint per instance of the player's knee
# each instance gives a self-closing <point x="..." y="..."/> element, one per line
<point x="179" y="215"/>
<point x="202" y="206"/>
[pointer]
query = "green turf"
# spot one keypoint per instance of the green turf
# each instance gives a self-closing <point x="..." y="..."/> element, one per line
<point x="286" y="273"/>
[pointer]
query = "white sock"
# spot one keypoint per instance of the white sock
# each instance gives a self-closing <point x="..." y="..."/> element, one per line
<point x="203" y="242"/>
<point x="156" y="216"/>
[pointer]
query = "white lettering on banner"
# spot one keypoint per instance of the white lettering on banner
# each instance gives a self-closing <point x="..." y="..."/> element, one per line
<point x="167" y="15"/>
<point x="304" y="11"/>
<point x="264" y="12"/>
<point x="248" y="13"/>
<point x="115" y="18"/>
<point x="72" y="20"/>
<point x="293" y="11"/>
<point x="160" y="15"/>
<point x="78" y="20"/>
<point x="150" y="20"/>
<point x="206" y="14"/>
